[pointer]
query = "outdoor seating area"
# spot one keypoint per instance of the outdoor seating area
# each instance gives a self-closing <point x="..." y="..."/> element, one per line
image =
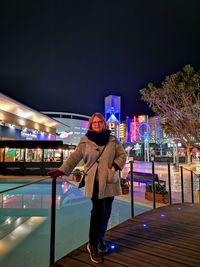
<point x="144" y="177"/>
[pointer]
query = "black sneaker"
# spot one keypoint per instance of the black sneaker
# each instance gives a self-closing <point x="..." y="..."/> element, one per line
<point x="103" y="248"/>
<point x="94" y="254"/>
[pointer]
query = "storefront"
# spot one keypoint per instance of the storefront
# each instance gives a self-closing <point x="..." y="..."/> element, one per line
<point x="21" y="157"/>
<point x="19" y="122"/>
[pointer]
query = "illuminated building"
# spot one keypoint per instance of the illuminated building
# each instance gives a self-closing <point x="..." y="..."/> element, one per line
<point x="122" y="132"/>
<point x="139" y="128"/>
<point x="112" y="113"/>
<point x="73" y="126"/>
<point x="128" y="129"/>
<point x="19" y="122"/>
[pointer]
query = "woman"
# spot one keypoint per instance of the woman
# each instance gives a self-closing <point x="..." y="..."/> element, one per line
<point x="103" y="156"/>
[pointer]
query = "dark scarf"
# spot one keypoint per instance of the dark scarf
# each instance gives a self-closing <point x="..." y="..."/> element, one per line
<point x="100" y="139"/>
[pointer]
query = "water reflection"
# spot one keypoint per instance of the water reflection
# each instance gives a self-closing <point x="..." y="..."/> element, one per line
<point x="38" y="196"/>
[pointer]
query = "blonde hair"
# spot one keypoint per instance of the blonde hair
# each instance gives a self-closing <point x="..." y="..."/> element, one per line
<point x="101" y="117"/>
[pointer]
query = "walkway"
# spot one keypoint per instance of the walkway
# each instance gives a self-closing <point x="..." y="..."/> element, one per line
<point x="167" y="236"/>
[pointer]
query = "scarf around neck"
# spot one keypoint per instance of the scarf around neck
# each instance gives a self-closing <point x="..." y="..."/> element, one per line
<point x="100" y="139"/>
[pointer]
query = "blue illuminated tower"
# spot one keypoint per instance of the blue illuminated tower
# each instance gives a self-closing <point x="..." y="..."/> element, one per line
<point x="113" y="108"/>
<point x="112" y="113"/>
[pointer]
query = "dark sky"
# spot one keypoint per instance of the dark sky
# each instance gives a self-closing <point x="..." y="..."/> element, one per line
<point x="68" y="55"/>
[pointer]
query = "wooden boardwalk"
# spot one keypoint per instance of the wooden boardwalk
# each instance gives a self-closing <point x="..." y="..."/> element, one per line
<point x="167" y="236"/>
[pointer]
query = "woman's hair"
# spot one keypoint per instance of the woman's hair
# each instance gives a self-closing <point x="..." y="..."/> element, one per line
<point x="101" y="117"/>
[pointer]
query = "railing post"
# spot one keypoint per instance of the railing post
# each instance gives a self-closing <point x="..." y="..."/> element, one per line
<point x="192" y="186"/>
<point x="153" y="185"/>
<point x="169" y="182"/>
<point x="132" y="197"/>
<point x="53" y="221"/>
<point x="182" y="187"/>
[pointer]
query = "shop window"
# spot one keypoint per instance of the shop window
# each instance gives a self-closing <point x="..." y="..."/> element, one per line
<point x="52" y="154"/>
<point x="10" y="154"/>
<point x="33" y="155"/>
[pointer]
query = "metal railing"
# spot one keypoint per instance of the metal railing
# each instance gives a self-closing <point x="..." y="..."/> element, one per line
<point x="192" y="173"/>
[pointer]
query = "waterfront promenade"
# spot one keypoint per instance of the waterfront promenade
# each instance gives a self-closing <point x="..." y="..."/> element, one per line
<point x="114" y="235"/>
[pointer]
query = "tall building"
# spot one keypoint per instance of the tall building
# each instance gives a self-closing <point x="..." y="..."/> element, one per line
<point x="112" y="113"/>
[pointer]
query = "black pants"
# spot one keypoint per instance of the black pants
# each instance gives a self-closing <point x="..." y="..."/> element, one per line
<point x="100" y="215"/>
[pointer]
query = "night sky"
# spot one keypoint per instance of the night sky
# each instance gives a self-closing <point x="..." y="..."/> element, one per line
<point x="68" y="55"/>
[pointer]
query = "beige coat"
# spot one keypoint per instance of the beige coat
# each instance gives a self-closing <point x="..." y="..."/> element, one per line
<point x="109" y="182"/>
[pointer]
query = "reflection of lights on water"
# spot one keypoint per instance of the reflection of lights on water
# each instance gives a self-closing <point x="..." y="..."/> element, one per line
<point x="8" y="220"/>
<point x="6" y="197"/>
<point x="162" y="215"/>
<point x="18" y="220"/>
<point x="16" y="236"/>
<point x="65" y="186"/>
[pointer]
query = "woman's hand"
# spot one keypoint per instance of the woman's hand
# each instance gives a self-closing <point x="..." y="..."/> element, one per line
<point x="115" y="167"/>
<point x="55" y="173"/>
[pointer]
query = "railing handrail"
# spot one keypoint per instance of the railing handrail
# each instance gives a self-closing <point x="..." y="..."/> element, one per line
<point x="24" y="185"/>
<point x="198" y="175"/>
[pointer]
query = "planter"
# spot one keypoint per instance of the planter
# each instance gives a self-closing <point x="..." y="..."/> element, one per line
<point x="125" y="190"/>
<point x="159" y="198"/>
<point x="77" y="174"/>
<point x="76" y="178"/>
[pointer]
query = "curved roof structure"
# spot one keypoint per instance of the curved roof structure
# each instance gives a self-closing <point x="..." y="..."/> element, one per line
<point x="17" y="113"/>
<point x="66" y="115"/>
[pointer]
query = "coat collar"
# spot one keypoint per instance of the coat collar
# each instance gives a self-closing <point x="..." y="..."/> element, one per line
<point x="85" y="139"/>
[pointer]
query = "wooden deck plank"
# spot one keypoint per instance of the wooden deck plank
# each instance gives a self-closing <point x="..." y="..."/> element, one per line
<point x="169" y="241"/>
<point x="159" y="250"/>
<point x="182" y="242"/>
<point x="143" y="260"/>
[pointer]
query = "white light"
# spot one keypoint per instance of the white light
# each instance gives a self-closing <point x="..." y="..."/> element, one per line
<point x="8" y="221"/>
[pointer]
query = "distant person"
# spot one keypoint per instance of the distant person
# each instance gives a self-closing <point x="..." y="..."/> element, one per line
<point x="103" y="156"/>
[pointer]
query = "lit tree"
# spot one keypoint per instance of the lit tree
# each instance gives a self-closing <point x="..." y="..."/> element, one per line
<point x="177" y="102"/>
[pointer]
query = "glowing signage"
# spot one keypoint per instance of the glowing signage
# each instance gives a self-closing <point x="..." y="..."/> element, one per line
<point x="141" y="118"/>
<point x="65" y="134"/>
<point x="28" y="135"/>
